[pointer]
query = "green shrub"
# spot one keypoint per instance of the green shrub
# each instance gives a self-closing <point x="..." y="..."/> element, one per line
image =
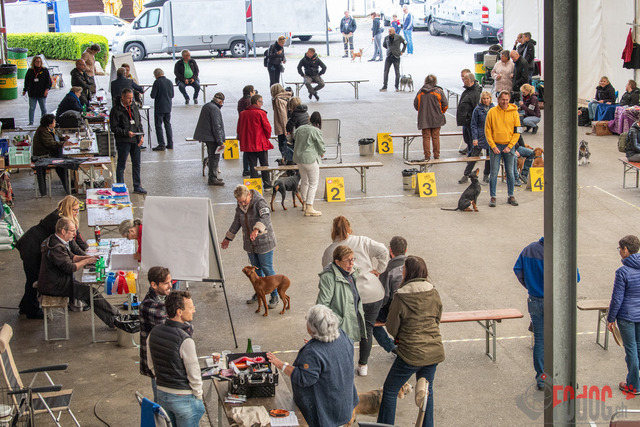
<point x="60" y="45"/>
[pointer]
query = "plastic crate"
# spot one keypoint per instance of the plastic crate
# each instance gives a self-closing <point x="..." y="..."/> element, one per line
<point x="19" y="156"/>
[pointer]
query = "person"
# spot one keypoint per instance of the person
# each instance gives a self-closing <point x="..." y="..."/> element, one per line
<point x="254" y="132"/>
<point x="279" y="101"/>
<point x="605" y="94"/>
<point x="431" y="104"/>
<point x="29" y="247"/>
<point x="172" y="358"/>
<point x="128" y="131"/>
<point x="371" y="258"/>
<point x="633" y="143"/>
<point x="59" y="264"/>
<point x="376" y="37"/>
<point x="520" y="74"/>
<point x="70" y="102"/>
<point x="37" y="83"/>
<point x="502" y="72"/>
<point x="322" y="377"/>
<point x="275" y="60"/>
<point x="631" y="95"/>
<point x="625" y="309"/>
<point x="253" y="215"/>
<point x="469" y="100"/>
<point x="131" y="229"/>
<point x="348" y="26"/>
<point x="81" y="79"/>
<point x="407" y="28"/>
<point x="391" y="279"/>
<point x="499" y="130"/>
<point x="122" y="81"/>
<point x="314" y="68"/>
<point x="89" y="57"/>
<point x="210" y="130"/>
<point x="414" y="321"/>
<point x="307" y="152"/>
<point x="529" y="109"/>
<point x="48" y="142"/>
<point x="478" y="139"/>
<point x="187" y="73"/>
<point x="392" y="43"/>
<point x="396" y="24"/>
<point x="519" y="43"/>
<point x="128" y="74"/>
<point x="529" y="53"/>
<point x="162" y="95"/>
<point x="247" y="92"/>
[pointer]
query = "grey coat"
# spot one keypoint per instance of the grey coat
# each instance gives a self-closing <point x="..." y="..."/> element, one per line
<point x="210" y="126"/>
<point x="256" y="216"/>
<point x="393" y="48"/>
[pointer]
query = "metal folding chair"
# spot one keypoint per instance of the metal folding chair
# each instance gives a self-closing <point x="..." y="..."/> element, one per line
<point x="160" y="416"/>
<point x="331" y="136"/>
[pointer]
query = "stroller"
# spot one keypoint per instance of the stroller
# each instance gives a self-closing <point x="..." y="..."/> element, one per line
<point x="491" y="56"/>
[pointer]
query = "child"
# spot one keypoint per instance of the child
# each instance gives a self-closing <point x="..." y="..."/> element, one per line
<point x="395" y="23"/>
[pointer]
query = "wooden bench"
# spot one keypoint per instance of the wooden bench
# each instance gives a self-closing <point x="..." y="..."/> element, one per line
<point x="407" y="139"/>
<point x="352" y="82"/>
<point x="602" y="305"/>
<point x="425" y="165"/>
<point x="203" y="86"/>
<point x="629" y="167"/>
<point x="453" y="93"/>
<point x="360" y="167"/>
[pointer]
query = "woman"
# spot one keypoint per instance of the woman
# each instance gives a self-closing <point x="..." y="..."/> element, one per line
<point x="275" y="59"/>
<point x="322" y="374"/>
<point x="631" y="96"/>
<point x="625" y="308"/>
<point x="307" y="153"/>
<point x="37" y="83"/>
<point x="502" y="73"/>
<point x="414" y="319"/>
<point x="431" y="104"/>
<point x="298" y="116"/>
<point x="131" y="229"/>
<point x="605" y="93"/>
<point x="29" y="248"/>
<point x="70" y="102"/>
<point x="529" y="109"/>
<point x="371" y="258"/>
<point x="479" y="141"/>
<point x="48" y="142"/>
<point x="279" y="101"/>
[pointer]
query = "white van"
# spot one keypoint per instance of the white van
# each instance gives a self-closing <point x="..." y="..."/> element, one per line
<point x="418" y="8"/>
<point x="471" y="19"/>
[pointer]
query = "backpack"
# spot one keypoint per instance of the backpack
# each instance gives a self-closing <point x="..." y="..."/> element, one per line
<point x="266" y="58"/>
<point x="622" y="142"/>
<point x="583" y="118"/>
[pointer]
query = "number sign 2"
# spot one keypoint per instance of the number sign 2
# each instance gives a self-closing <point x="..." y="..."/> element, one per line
<point x="335" y="189"/>
<point x="427" y="184"/>
<point x="231" y="150"/>
<point x="536" y="177"/>
<point x="385" y="143"/>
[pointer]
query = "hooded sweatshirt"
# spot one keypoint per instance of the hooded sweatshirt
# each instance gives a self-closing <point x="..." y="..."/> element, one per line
<point x="431" y="104"/>
<point x="625" y="300"/>
<point x="499" y="128"/>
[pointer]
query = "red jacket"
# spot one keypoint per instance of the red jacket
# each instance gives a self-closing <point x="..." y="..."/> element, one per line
<point x="254" y="130"/>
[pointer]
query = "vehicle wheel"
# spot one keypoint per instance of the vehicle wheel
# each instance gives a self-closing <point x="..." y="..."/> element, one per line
<point x="304" y="38"/>
<point x="238" y="49"/>
<point x="466" y="35"/>
<point x="432" y="29"/>
<point x="137" y="51"/>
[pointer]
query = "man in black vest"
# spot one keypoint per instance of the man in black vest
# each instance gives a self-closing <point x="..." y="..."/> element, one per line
<point x="172" y="358"/>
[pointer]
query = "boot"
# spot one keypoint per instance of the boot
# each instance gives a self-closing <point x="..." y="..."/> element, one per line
<point x="309" y="211"/>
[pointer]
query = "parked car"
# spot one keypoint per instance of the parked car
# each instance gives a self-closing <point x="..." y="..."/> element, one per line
<point x="104" y="24"/>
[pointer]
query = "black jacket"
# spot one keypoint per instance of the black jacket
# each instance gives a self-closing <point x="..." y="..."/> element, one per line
<point x="630" y="98"/>
<point x="299" y="117"/>
<point x="633" y="140"/>
<point x="529" y="52"/>
<point x="468" y="102"/>
<point x="312" y="66"/>
<point x="56" y="268"/>
<point x="346" y="28"/>
<point x="210" y="126"/>
<point x="376" y="28"/>
<point x="36" y="89"/>
<point x="162" y="93"/>
<point x="606" y="94"/>
<point x="520" y="74"/>
<point x="178" y="70"/>
<point x="69" y="102"/>
<point x="82" y="79"/>
<point x="121" y="123"/>
<point x="276" y="54"/>
<point x="165" y="341"/>
<point x="121" y="82"/>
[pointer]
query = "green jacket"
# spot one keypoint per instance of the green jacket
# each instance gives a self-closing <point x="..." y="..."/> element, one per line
<point x="335" y="293"/>
<point x="309" y="145"/>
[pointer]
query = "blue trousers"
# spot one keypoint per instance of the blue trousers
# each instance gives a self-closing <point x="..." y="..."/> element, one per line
<point x="536" y="311"/>
<point x="32" y="107"/>
<point x="264" y="263"/>
<point x="182" y="87"/>
<point x="383" y="338"/>
<point x="408" y="37"/>
<point x="183" y="410"/>
<point x="508" y="158"/>
<point x="630" y="332"/>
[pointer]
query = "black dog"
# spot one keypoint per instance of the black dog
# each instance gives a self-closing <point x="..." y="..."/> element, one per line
<point x="470" y="195"/>
<point x="284" y="184"/>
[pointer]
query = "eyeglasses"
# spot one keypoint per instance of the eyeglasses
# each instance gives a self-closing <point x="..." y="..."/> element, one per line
<point x="349" y="260"/>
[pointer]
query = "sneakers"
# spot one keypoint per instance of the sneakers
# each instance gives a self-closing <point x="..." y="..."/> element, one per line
<point x="517" y="182"/>
<point x="139" y="190"/>
<point x="534" y="130"/>
<point x="315" y="94"/>
<point x="217" y="182"/>
<point x="246" y="173"/>
<point x="524" y="178"/>
<point x="362" y="370"/>
<point x="463" y="180"/>
<point x="492" y="202"/>
<point x="253" y="299"/>
<point x="273" y="302"/>
<point x="383" y="89"/>
<point x="628" y="389"/>
<point x="485" y="179"/>
<point x="309" y="211"/>
<point x="397" y="90"/>
<point x="345" y="55"/>
<point x="512" y="201"/>
<point x="372" y="60"/>
<point x="159" y="148"/>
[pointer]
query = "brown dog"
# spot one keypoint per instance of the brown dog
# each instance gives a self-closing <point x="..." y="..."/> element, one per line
<point x="538" y="161"/>
<point x="355" y="55"/>
<point x="370" y="402"/>
<point x="265" y="285"/>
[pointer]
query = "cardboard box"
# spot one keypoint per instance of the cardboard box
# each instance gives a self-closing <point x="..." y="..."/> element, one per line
<point x="601" y="128"/>
<point x="1" y="162"/>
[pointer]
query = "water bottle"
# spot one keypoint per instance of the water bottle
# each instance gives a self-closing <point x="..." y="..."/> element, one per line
<point x="96" y="233"/>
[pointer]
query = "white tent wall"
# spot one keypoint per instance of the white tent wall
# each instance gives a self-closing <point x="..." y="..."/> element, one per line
<point x="602" y="33"/>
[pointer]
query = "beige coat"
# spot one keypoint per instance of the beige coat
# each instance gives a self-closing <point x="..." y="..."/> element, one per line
<point x="280" y="102"/>
<point x="505" y="71"/>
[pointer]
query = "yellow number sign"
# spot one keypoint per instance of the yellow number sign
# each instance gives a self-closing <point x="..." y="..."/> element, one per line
<point x="335" y="189"/>
<point x="427" y="184"/>
<point x="231" y="150"/>
<point x="536" y="178"/>
<point x="385" y="143"/>
<point x="254" y="184"/>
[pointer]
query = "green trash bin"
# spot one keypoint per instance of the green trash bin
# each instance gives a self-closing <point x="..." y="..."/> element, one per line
<point x="18" y="57"/>
<point x="8" y="82"/>
<point x="480" y="70"/>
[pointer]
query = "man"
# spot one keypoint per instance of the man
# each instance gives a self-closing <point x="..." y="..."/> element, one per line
<point x="58" y="266"/>
<point x="529" y="53"/>
<point x="210" y="130"/>
<point x="469" y="100"/>
<point x="162" y="94"/>
<point x="347" y="28"/>
<point x="254" y="133"/>
<point x="500" y="131"/>
<point x="392" y="43"/>
<point x="172" y="358"/>
<point x="81" y="79"/>
<point x="314" y="68"/>
<point x="186" y="71"/>
<point x="376" y="37"/>
<point x="391" y="279"/>
<point x="126" y="126"/>
<point x="520" y="74"/>
<point x="120" y="82"/>
<point x="407" y="28"/>
<point x="244" y="102"/>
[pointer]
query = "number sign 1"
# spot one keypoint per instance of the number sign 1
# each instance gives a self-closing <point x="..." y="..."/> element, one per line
<point x="385" y="143"/>
<point x="231" y="150"/>
<point x="254" y="184"/>
<point x="335" y="189"/>
<point x="536" y="178"/>
<point x="427" y="184"/>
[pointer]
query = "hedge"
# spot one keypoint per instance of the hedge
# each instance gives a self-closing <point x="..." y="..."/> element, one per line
<point x="60" y="45"/>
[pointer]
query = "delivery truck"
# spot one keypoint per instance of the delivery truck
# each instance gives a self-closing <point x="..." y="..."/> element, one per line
<point x="471" y="19"/>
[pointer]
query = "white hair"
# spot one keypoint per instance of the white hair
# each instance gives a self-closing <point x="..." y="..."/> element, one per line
<point x="323" y="323"/>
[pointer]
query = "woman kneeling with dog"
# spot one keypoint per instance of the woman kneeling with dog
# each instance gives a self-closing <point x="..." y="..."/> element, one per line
<point x="322" y="374"/>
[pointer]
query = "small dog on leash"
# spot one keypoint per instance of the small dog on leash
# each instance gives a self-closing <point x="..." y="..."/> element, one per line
<point x="370" y="402"/>
<point x="406" y="80"/>
<point x="538" y="160"/>
<point x="284" y="184"/>
<point x="355" y="55"/>
<point x="469" y="196"/>
<point x="265" y="285"/>
<point x="583" y="153"/>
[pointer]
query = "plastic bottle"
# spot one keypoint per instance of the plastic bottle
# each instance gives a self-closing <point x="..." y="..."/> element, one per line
<point x="100" y="269"/>
<point x="96" y="233"/>
<point x="131" y="282"/>
<point x="111" y="279"/>
<point x="249" y="346"/>
<point x="121" y="282"/>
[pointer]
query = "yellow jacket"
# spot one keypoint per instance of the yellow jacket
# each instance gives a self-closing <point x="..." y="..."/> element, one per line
<point x="500" y="125"/>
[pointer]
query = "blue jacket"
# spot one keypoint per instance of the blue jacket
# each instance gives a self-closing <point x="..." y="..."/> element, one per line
<point x="407" y="23"/>
<point x="529" y="267"/>
<point x="478" y="118"/>
<point x="625" y="300"/>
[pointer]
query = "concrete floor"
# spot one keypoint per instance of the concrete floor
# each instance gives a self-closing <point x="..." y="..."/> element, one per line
<point x="470" y="255"/>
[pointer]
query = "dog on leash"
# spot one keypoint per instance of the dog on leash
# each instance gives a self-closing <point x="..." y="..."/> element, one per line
<point x="355" y="55"/>
<point x="583" y="153"/>
<point x="406" y="81"/>
<point x="370" y="402"/>
<point x="284" y="184"/>
<point x="265" y="285"/>
<point x="469" y="196"/>
<point x="538" y="161"/>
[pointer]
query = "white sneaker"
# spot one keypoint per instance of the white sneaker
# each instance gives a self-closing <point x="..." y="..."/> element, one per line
<point x="362" y="370"/>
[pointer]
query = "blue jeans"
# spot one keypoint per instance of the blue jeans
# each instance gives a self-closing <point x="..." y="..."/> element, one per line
<point x="383" y="338"/>
<point x="264" y="263"/>
<point x="32" y="107"/>
<point x="630" y="332"/>
<point x="529" y="155"/>
<point x="184" y="410"/>
<point x="154" y="387"/>
<point x="182" y="87"/>
<point x="408" y="37"/>
<point x="536" y="311"/>
<point x="530" y="121"/>
<point x="377" y="47"/>
<point x="399" y="374"/>
<point x="495" y="168"/>
<point x="592" y="107"/>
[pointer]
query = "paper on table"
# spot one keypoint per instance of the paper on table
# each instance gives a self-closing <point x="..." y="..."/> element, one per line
<point x="291" y="420"/>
